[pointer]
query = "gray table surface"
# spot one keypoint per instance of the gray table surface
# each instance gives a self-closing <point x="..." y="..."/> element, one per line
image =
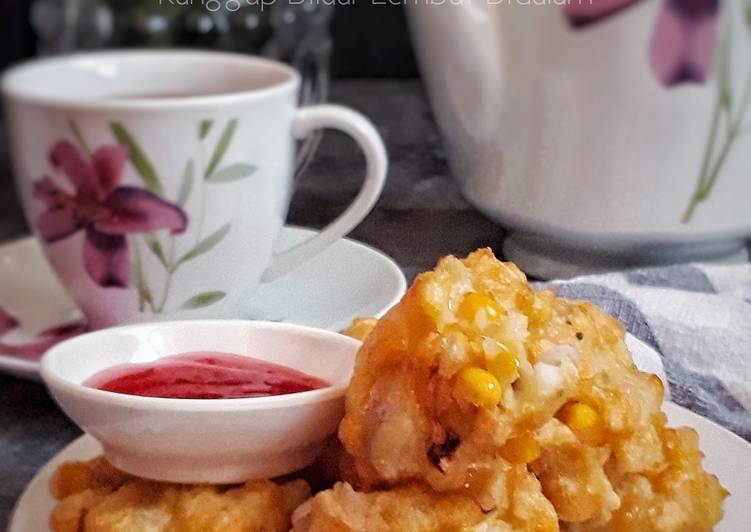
<point x="419" y="195"/>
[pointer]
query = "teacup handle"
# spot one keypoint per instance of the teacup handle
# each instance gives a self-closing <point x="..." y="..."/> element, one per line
<point x="376" y="163"/>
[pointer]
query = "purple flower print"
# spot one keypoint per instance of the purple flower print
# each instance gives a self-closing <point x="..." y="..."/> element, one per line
<point x="7" y="322"/>
<point x="103" y="209"/>
<point x="683" y="38"/>
<point x="44" y="340"/>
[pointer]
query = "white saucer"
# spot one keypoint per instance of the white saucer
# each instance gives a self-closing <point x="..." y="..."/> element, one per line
<point x="347" y="280"/>
<point x="727" y="456"/>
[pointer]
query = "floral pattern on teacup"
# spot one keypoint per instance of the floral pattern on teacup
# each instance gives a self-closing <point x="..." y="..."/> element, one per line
<point x="682" y="49"/>
<point x="92" y="199"/>
<point x="43" y="341"/>
<point x="683" y="38"/>
<point x="100" y="206"/>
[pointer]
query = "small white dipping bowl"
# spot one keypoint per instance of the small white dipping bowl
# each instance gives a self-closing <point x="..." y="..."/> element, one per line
<point x="219" y="441"/>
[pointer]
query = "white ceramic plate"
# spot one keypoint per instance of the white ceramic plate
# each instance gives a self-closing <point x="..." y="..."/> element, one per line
<point x="347" y="280"/>
<point x="727" y="456"/>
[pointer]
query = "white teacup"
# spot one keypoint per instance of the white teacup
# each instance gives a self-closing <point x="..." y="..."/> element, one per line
<point x="157" y="182"/>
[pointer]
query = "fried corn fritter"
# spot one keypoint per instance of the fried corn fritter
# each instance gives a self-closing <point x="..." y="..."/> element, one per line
<point x="95" y="497"/>
<point x="477" y="405"/>
<point x="417" y="508"/>
<point x="474" y="374"/>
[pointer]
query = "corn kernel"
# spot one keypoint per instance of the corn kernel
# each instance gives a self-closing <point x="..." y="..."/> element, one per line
<point x="475" y="346"/>
<point x="473" y="303"/>
<point x="521" y="449"/>
<point x="501" y="361"/>
<point x="431" y="310"/>
<point x="584" y="421"/>
<point x="478" y="386"/>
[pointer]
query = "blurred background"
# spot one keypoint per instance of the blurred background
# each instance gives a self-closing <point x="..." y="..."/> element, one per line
<point x="633" y="118"/>
<point x="351" y="43"/>
<point x="369" y="40"/>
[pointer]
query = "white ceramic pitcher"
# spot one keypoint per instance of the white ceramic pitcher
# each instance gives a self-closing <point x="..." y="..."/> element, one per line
<point x="602" y="133"/>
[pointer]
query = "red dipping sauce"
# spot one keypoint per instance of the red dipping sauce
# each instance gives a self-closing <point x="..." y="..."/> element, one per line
<point x="204" y="376"/>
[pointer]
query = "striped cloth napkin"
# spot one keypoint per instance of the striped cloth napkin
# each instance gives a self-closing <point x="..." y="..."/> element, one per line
<point x="698" y="318"/>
